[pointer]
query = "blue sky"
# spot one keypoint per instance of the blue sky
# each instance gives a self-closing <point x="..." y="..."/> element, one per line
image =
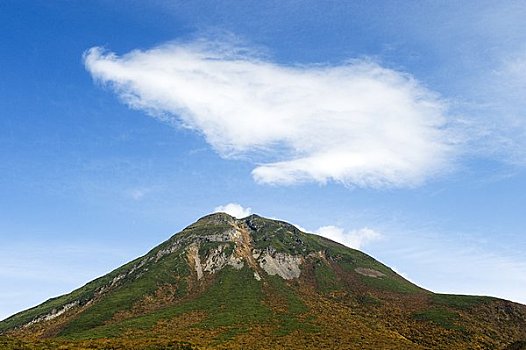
<point x="397" y="128"/>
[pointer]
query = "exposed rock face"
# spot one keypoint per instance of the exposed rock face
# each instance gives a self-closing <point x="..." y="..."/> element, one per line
<point x="284" y="265"/>
<point x="287" y="266"/>
<point x="53" y="314"/>
<point x="195" y="261"/>
<point x="217" y="259"/>
<point x="368" y="272"/>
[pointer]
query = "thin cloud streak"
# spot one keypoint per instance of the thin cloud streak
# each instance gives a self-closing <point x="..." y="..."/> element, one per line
<point x="464" y="266"/>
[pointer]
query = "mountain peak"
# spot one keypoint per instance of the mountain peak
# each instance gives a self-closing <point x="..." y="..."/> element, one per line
<point x="216" y="218"/>
<point x="225" y="218"/>
<point x="267" y="279"/>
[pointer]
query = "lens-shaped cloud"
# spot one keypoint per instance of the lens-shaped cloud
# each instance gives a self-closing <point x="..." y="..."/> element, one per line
<point x="357" y="123"/>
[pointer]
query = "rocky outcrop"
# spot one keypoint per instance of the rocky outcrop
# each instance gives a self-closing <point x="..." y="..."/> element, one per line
<point x="195" y="260"/>
<point x="53" y="314"/>
<point x="285" y="265"/>
<point x="368" y="272"/>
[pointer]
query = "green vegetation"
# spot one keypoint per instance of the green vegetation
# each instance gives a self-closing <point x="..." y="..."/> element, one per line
<point x="390" y="284"/>
<point x="326" y="278"/>
<point x="294" y="305"/>
<point x="442" y="317"/>
<point x="291" y="318"/>
<point x="459" y="301"/>
<point x="368" y="300"/>
<point x="234" y="301"/>
<point x="280" y="236"/>
<point x="235" y="298"/>
<point x="162" y="272"/>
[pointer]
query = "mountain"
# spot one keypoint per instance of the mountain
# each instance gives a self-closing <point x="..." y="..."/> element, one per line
<point x="257" y="283"/>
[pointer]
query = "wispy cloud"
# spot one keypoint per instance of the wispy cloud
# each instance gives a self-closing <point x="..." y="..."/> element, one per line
<point x="357" y="123"/>
<point x="234" y="209"/>
<point x="496" y="114"/>
<point x="470" y="271"/>
<point x="463" y="264"/>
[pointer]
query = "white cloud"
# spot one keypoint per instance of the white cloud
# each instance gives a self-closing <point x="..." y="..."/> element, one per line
<point x="233" y="209"/>
<point x="357" y="123"/>
<point x="355" y="239"/>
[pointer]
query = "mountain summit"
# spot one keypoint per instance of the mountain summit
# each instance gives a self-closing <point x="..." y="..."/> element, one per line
<point x="257" y="283"/>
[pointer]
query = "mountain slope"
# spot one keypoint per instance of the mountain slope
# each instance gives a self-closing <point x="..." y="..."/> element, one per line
<point x="261" y="283"/>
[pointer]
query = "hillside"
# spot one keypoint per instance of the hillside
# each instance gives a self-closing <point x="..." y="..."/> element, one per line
<point x="258" y="283"/>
